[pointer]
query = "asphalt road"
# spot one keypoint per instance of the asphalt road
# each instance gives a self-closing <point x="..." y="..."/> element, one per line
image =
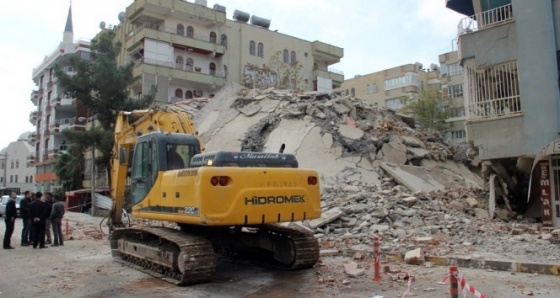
<point x="84" y="268"/>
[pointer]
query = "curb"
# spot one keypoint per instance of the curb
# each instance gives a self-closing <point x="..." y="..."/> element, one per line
<point x="521" y="267"/>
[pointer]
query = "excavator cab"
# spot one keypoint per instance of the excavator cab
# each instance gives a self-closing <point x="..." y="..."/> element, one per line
<point x="155" y="152"/>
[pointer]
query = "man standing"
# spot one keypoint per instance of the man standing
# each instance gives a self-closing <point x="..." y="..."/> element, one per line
<point x="48" y="208"/>
<point x="11" y="213"/>
<point x="56" y="220"/>
<point x="37" y="214"/>
<point x="24" y="212"/>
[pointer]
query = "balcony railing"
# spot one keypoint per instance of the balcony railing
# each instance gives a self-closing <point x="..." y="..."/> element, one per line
<point x="173" y="30"/>
<point x="340" y="72"/>
<point x="179" y="66"/>
<point x="485" y="19"/>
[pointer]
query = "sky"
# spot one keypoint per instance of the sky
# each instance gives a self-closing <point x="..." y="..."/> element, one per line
<point x="375" y="35"/>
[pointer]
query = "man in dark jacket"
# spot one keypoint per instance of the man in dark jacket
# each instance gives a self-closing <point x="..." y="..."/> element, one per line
<point x="24" y="212"/>
<point x="11" y="213"/>
<point x="38" y="214"/>
<point x="48" y="208"/>
<point x="56" y="220"/>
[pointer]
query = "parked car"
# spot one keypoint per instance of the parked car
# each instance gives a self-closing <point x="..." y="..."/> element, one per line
<point x="4" y="201"/>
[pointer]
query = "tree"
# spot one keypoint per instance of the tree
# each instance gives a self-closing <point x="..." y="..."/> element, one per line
<point x="427" y="110"/>
<point x="103" y="87"/>
<point x="69" y="167"/>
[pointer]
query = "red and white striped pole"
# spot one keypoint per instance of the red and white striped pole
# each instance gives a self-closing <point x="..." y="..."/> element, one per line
<point x="377" y="274"/>
<point x="453" y="283"/>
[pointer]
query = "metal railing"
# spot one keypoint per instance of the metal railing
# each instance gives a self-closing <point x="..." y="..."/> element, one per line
<point x="184" y="67"/>
<point x="173" y="30"/>
<point x="340" y="72"/>
<point x="485" y="19"/>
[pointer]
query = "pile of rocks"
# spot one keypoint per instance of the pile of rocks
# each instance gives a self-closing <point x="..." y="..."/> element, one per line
<point x="380" y="174"/>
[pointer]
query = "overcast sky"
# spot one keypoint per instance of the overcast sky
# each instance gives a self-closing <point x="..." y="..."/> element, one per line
<point x="375" y="35"/>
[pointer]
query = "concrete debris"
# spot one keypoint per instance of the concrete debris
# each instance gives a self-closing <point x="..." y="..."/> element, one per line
<point x="379" y="175"/>
<point x="415" y="257"/>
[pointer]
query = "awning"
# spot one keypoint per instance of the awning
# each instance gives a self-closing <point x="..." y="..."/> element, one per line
<point x="461" y="6"/>
<point x="550" y="149"/>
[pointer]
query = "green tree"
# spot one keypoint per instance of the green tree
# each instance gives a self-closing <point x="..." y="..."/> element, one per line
<point x="103" y="87"/>
<point x="427" y="110"/>
<point x="69" y="167"/>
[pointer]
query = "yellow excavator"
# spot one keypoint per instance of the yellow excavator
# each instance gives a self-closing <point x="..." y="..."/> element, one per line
<point x="224" y="203"/>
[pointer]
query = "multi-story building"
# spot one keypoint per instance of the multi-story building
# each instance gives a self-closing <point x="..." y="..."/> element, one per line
<point x="190" y="50"/>
<point x="388" y="87"/>
<point x="17" y="169"/>
<point x="452" y="93"/>
<point x="55" y="111"/>
<point x="509" y="52"/>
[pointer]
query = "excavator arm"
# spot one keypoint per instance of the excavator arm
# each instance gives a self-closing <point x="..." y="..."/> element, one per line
<point x="128" y="127"/>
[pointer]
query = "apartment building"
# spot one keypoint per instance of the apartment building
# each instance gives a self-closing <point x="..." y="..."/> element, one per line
<point x="509" y="52"/>
<point x="388" y="87"/>
<point x="452" y="84"/>
<point x="17" y="168"/>
<point x="190" y="50"/>
<point x="55" y="111"/>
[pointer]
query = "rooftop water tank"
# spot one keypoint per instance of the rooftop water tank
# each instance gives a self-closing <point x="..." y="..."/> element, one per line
<point x="201" y="2"/>
<point x="241" y="16"/>
<point x="220" y="8"/>
<point x="258" y="21"/>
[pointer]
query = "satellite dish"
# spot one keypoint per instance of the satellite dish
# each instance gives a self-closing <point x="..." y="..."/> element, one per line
<point x="121" y="16"/>
<point x="102" y="25"/>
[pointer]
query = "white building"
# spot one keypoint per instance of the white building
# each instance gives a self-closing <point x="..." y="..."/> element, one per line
<point x="16" y="164"/>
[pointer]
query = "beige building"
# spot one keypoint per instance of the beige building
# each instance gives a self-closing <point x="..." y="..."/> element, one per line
<point x="55" y="111"/>
<point x="17" y="168"/>
<point x="452" y="84"/>
<point x="190" y="50"/>
<point x="386" y="88"/>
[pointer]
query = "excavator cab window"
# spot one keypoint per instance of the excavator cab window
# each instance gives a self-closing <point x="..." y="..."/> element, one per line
<point x="144" y="170"/>
<point x="179" y="156"/>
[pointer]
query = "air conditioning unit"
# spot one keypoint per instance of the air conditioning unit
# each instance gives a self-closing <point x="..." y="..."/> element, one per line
<point x="198" y="93"/>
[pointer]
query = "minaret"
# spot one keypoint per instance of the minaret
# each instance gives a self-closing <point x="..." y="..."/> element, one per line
<point x="68" y="36"/>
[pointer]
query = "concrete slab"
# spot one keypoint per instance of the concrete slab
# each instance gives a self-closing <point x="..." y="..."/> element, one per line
<point x="289" y="132"/>
<point x="228" y="137"/>
<point x="326" y="217"/>
<point x="413" y="178"/>
<point x="350" y="132"/>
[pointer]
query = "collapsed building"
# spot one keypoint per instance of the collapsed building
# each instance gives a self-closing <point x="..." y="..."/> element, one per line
<point x="379" y="173"/>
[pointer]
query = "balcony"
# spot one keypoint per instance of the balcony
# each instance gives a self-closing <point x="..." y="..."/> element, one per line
<point x="33" y="116"/>
<point x="141" y="10"/>
<point x="34" y="97"/>
<point x="334" y="75"/>
<point x="485" y="19"/>
<point x="30" y="160"/>
<point x="181" y="72"/>
<point x="54" y="128"/>
<point x="326" y="52"/>
<point x="201" y="44"/>
<point x="63" y="103"/>
<point x="71" y="123"/>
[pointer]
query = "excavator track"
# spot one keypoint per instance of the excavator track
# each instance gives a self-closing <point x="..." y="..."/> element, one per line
<point x="169" y="254"/>
<point x="306" y="246"/>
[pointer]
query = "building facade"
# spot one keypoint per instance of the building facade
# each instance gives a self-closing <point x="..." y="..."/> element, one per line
<point x="388" y="87"/>
<point x="55" y="110"/>
<point x="452" y="84"/>
<point x="189" y="50"/>
<point x="17" y="164"/>
<point x="509" y="53"/>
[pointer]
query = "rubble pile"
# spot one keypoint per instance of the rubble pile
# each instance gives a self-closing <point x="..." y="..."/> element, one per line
<point x="380" y="175"/>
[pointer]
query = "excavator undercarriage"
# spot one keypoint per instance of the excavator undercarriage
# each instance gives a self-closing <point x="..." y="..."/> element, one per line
<point x="184" y="258"/>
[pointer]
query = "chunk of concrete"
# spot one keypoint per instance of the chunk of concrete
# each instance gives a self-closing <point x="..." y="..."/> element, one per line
<point x="412" y="142"/>
<point x="418" y="152"/>
<point x="328" y="252"/>
<point x="350" y="132"/>
<point x="481" y="213"/>
<point x="413" y="178"/>
<point x="326" y="217"/>
<point x="250" y="109"/>
<point x="341" y="109"/>
<point x="415" y="257"/>
<point x="472" y="201"/>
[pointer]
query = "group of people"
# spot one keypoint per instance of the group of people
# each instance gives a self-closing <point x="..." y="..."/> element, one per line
<point x="40" y="214"/>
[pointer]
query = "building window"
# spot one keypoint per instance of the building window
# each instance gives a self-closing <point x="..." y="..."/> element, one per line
<point x="179" y="62"/>
<point x="26" y="179"/>
<point x="409" y="79"/>
<point x="188" y="94"/>
<point x="12" y="164"/>
<point x="189" y="64"/>
<point x="286" y="57"/>
<point x="252" y="48"/>
<point x="458" y="134"/>
<point x="225" y="71"/>
<point x="17" y="164"/>
<point x="451" y="69"/>
<point x="293" y="84"/>
<point x="11" y="178"/>
<point x="190" y="32"/>
<point x="371" y="88"/>
<point x="293" y="57"/>
<point x="16" y="179"/>
<point x="394" y="103"/>
<point x="30" y="179"/>
<point x="224" y="40"/>
<point x="213" y="37"/>
<point x="1" y="179"/>
<point x="212" y="67"/>
<point x="178" y="93"/>
<point x="493" y="91"/>
<point x="260" y="50"/>
<point x="180" y="29"/>
<point x="455" y="112"/>
<point x="455" y="91"/>
<point x="353" y="92"/>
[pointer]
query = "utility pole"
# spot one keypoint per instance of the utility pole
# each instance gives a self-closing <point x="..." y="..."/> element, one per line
<point x="93" y="174"/>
